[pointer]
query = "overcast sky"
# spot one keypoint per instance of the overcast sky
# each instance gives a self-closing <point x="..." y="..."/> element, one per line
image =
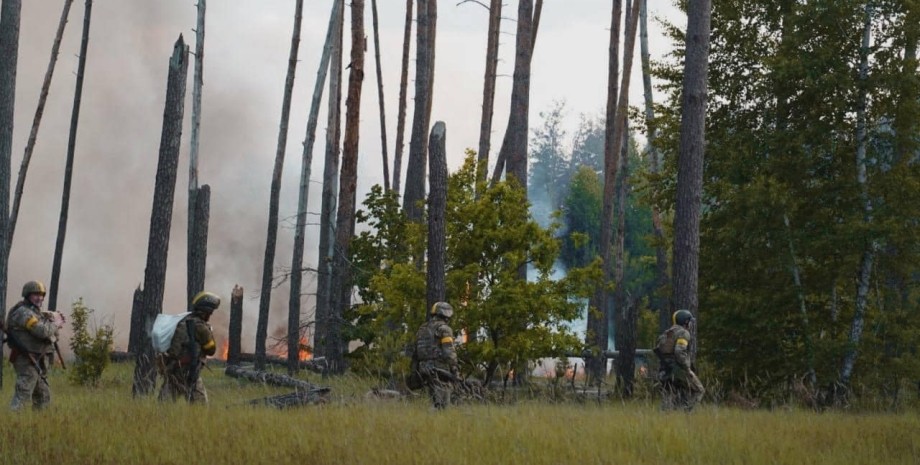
<point x="246" y="49"/>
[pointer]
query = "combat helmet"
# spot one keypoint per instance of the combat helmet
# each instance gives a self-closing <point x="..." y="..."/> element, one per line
<point x="442" y="309"/>
<point x="33" y="287"/>
<point x="205" y="301"/>
<point x="681" y="317"/>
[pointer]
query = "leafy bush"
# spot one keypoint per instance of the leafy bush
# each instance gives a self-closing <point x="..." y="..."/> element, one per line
<point x="92" y="350"/>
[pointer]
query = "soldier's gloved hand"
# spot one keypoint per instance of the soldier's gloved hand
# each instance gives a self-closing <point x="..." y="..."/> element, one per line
<point x="58" y="319"/>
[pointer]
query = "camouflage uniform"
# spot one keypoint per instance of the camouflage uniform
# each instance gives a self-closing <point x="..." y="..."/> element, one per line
<point x="34" y="331"/>
<point x="193" y="335"/>
<point x="437" y="360"/>
<point x="680" y="388"/>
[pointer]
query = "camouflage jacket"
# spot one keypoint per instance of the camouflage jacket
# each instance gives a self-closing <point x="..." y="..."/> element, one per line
<point x="673" y="347"/>
<point x="434" y="341"/>
<point x="28" y="326"/>
<point x="200" y="332"/>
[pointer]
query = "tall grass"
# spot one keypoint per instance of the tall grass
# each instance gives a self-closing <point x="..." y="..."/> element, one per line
<point x="106" y="426"/>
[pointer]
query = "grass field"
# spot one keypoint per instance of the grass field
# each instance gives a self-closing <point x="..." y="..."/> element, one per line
<point x="107" y="426"/>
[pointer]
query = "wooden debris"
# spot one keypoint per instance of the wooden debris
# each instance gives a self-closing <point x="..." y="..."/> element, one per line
<point x="272" y="379"/>
<point x="294" y="399"/>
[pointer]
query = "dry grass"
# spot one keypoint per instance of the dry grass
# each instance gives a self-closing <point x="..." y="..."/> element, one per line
<point x="107" y="426"/>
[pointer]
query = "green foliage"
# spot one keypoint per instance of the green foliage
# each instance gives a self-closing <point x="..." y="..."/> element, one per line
<point x="781" y="197"/>
<point x="92" y="347"/>
<point x="489" y="239"/>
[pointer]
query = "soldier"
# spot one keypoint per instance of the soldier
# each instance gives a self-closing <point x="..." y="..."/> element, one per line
<point x="437" y="360"/>
<point x="31" y="333"/>
<point x="680" y="388"/>
<point x="191" y="344"/>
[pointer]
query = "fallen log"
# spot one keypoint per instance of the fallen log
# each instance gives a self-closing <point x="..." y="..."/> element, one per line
<point x="294" y="399"/>
<point x="317" y="365"/>
<point x="272" y="379"/>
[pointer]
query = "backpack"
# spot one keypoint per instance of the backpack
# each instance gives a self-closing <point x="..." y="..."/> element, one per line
<point x="164" y="327"/>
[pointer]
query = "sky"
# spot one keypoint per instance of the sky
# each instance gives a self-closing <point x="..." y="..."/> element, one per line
<point x="247" y="44"/>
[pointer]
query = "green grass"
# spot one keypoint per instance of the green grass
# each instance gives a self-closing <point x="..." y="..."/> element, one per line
<point x="107" y="426"/>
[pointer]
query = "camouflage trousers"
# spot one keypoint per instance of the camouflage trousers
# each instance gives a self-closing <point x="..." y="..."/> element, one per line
<point x="680" y="392"/>
<point x="176" y="385"/>
<point x="31" y="385"/>
<point x="439" y="388"/>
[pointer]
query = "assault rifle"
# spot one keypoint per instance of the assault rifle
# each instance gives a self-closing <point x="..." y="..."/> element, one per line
<point x="194" y="368"/>
<point x="57" y="350"/>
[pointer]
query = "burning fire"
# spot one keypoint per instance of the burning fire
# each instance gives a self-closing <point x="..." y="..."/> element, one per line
<point x="280" y="351"/>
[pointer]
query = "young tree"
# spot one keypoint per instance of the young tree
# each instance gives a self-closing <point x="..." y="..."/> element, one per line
<point x="293" y="339"/>
<point x="161" y="214"/>
<point x="68" y="168"/>
<point x="271" y="240"/>
<point x="341" y="285"/>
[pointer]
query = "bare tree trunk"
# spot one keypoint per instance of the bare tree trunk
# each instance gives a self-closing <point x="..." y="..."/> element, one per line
<point x="198" y="245"/>
<point x="514" y="144"/>
<point x="437" y="206"/>
<point x="272" y="235"/>
<point x="597" y="321"/>
<point x="488" y="90"/>
<point x="235" y="331"/>
<point x="68" y="170"/>
<point x="690" y="160"/>
<point x="302" y="201"/>
<point x="403" y="78"/>
<point x="871" y="246"/>
<point x="137" y="322"/>
<point x="9" y="53"/>
<point x="195" y="259"/>
<point x="330" y="186"/>
<point x="383" y="119"/>
<point x="345" y="222"/>
<point x="658" y="303"/>
<point x="415" y="171"/>
<point x="36" y="121"/>
<point x="161" y="214"/>
<point x="520" y="90"/>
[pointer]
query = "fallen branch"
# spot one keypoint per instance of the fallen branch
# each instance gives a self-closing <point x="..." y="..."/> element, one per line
<point x="294" y="399"/>
<point x="272" y="379"/>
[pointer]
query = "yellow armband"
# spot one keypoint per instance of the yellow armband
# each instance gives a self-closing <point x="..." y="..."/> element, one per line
<point x="447" y="340"/>
<point x="682" y="343"/>
<point x="32" y="321"/>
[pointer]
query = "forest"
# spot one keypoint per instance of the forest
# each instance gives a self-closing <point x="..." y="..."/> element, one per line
<point x="767" y="182"/>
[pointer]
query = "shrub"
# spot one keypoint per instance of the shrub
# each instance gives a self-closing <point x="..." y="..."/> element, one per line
<point x="91" y="347"/>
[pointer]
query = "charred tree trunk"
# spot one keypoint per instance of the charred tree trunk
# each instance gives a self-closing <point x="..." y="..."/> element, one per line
<point x="658" y="302"/>
<point x="198" y="242"/>
<point x="268" y="265"/>
<point x="196" y="253"/>
<point x="598" y="321"/>
<point x="345" y="220"/>
<point x="685" y="271"/>
<point x="137" y="321"/>
<point x="9" y="53"/>
<point x="68" y="169"/>
<point x="401" y="116"/>
<point x="330" y="186"/>
<point x="514" y="145"/>
<point x="303" y="198"/>
<point x="235" y="331"/>
<point x="437" y="206"/>
<point x="383" y="119"/>
<point x="488" y="90"/>
<point x="36" y="121"/>
<point x="415" y="171"/>
<point x="626" y="330"/>
<point x="161" y="214"/>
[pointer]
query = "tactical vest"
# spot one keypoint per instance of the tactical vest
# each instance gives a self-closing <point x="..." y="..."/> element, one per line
<point x="427" y="346"/>
<point x="666" y="342"/>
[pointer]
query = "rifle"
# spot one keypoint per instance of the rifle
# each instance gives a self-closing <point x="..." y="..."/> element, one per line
<point x="16" y="345"/>
<point x="57" y="350"/>
<point x="194" y="369"/>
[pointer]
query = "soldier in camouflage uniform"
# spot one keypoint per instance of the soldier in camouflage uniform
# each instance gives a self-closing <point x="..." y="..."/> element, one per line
<point x="437" y="359"/>
<point x="31" y="335"/>
<point x="680" y="387"/>
<point x="191" y="344"/>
